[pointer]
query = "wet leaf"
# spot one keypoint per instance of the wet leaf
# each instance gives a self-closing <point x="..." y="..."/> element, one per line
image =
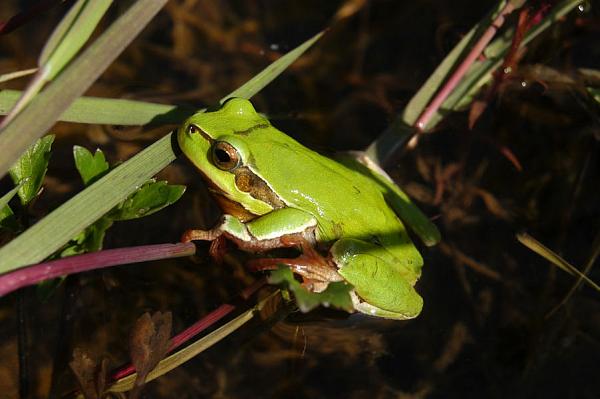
<point x="336" y="295"/>
<point x="150" y="198"/>
<point x="90" y="167"/>
<point x="90" y="375"/>
<point x="148" y="345"/>
<point x="30" y="169"/>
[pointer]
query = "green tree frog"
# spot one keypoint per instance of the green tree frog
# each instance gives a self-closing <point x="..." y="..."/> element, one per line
<point x="275" y="193"/>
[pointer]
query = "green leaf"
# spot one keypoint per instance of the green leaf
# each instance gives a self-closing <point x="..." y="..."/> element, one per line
<point x="89" y="166"/>
<point x="111" y="111"/>
<point x="30" y="169"/>
<point x="336" y="295"/>
<point x="150" y="198"/>
<point x="76" y="78"/>
<point x="68" y="220"/>
<point x="258" y="82"/>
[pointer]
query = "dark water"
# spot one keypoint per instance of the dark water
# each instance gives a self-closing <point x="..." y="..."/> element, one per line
<point x="485" y="329"/>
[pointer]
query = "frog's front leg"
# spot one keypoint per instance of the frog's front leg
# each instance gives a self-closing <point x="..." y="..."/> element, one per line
<point x="261" y="234"/>
<point x="283" y="228"/>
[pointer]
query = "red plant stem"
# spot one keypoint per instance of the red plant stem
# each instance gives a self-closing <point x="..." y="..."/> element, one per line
<point x="30" y="275"/>
<point x="197" y="327"/>
<point x="462" y="69"/>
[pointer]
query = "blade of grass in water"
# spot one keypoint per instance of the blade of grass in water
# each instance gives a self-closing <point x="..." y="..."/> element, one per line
<point x="45" y="108"/>
<point x="49" y="234"/>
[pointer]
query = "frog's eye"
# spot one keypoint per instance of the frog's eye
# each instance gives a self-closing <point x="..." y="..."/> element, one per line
<point x="225" y="156"/>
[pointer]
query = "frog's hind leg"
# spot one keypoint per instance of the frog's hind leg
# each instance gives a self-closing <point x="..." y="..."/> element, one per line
<point x="316" y="271"/>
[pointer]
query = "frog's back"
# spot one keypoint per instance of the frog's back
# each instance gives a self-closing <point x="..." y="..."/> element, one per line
<point x="345" y="202"/>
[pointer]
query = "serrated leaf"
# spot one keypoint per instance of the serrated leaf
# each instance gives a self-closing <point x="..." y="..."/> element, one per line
<point x="336" y="295"/>
<point x="150" y="198"/>
<point x="90" y="167"/>
<point x="30" y="169"/>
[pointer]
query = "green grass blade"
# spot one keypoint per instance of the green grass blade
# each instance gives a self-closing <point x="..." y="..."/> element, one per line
<point x="398" y="133"/>
<point x="257" y="83"/>
<point x="52" y="232"/>
<point x="420" y="100"/>
<point x="46" y="108"/>
<point x="66" y="40"/>
<point x="110" y="111"/>
<point x="481" y="71"/>
<point x="479" y="74"/>
<point x="71" y="34"/>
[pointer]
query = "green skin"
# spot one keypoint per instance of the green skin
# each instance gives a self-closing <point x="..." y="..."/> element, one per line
<point x="275" y="192"/>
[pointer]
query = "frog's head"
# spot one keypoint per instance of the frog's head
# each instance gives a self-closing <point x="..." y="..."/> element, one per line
<point x="217" y="144"/>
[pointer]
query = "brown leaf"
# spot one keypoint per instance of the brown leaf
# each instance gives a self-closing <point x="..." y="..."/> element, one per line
<point x="90" y="376"/>
<point x="148" y="345"/>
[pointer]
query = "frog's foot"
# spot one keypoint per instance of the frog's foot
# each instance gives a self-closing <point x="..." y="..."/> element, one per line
<point x="316" y="271"/>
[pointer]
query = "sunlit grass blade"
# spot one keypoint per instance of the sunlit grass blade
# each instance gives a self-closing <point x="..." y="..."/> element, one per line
<point x="258" y="82"/>
<point x="192" y="350"/>
<point x="46" y="108"/>
<point x="67" y="39"/>
<point x="15" y="75"/>
<point x="52" y="232"/>
<point x="111" y="111"/>
<point x="553" y="258"/>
